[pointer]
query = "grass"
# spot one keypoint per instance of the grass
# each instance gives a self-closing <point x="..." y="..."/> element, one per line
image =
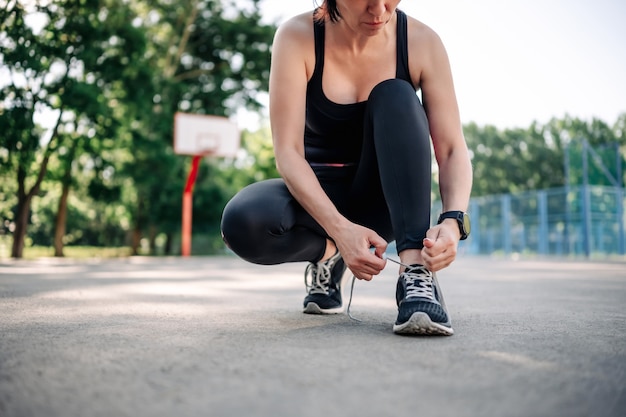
<point x="78" y="252"/>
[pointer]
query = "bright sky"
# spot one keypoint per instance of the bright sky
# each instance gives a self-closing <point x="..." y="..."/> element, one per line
<point x="515" y="61"/>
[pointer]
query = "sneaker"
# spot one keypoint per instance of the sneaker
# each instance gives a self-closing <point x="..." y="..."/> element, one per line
<point x="421" y="308"/>
<point x="325" y="287"/>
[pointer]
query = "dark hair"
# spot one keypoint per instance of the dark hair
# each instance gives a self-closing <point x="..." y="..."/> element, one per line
<point x="328" y="8"/>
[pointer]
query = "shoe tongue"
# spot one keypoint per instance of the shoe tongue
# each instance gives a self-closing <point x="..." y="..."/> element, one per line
<point x="415" y="266"/>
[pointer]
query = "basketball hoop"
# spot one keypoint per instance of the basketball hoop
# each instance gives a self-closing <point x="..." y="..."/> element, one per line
<point x="201" y="136"/>
<point x="196" y="134"/>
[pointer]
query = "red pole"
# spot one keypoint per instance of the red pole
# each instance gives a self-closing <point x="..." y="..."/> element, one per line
<point x="187" y="206"/>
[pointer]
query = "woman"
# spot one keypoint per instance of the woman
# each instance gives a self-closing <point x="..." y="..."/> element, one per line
<point x="352" y="145"/>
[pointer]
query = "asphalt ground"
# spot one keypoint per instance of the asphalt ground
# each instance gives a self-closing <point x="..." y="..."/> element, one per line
<point x="215" y="336"/>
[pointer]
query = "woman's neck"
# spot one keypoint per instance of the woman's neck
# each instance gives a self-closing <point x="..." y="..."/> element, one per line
<point x="353" y="41"/>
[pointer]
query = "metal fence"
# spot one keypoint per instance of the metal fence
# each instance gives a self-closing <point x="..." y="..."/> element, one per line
<point x="581" y="220"/>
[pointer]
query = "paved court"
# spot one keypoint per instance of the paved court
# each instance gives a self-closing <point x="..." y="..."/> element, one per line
<point x="220" y="337"/>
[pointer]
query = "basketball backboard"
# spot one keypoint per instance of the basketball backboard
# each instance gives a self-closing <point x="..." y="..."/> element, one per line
<point x="196" y="134"/>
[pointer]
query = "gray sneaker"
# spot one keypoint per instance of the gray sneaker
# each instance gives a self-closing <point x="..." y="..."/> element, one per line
<point x="421" y="308"/>
<point x="324" y="287"/>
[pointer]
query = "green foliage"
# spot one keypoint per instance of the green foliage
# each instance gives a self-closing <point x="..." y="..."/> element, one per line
<point x="114" y="73"/>
<point x="71" y="61"/>
<point x="514" y="160"/>
<point x="258" y="160"/>
<point x="208" y="59"/>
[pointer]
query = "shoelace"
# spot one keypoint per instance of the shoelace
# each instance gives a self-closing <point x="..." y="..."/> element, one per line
<point x="419" y="283"/>
<point x="416" y="285"/>
<point x="320" y="278"/>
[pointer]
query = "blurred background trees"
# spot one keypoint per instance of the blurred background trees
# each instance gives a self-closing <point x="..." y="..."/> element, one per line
<point x="110" y="74"/>
<point x="88" y="92"/>
<point x="514" y="160"/>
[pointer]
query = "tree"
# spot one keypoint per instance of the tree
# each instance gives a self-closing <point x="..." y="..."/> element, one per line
<point x="70" y="58"/>
<point x="26" y="61"/>
<point x="514" y="160"/>
<point x="603" y="140"/>
<point x="212" y="59"/>
<point x="113" y="73"/>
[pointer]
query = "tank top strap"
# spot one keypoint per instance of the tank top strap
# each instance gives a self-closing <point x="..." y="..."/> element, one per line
<point x="319" y="33"/>
<point x="402" y="48"/>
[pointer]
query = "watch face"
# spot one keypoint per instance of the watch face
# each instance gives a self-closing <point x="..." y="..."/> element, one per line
<point x="466" y="223"/>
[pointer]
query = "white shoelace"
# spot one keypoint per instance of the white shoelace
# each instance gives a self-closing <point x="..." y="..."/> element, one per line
<point x="320" y="277"/>
<point x="417" y="286"/>
<point x="419" y="283"/>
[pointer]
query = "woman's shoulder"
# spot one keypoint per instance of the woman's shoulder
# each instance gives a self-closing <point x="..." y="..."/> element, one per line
<point x="298" y="28"/>
<point x="426" y="51"/>
<point x="420" y="34"/>
<point x="294" y="43"/>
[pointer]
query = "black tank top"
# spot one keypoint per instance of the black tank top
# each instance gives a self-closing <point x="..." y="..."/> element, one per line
<point x="333" y="132"/>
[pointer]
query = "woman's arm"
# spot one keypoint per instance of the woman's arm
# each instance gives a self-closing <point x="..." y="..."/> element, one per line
<point x="451" y="153"/>
<point x="293" y="60"/>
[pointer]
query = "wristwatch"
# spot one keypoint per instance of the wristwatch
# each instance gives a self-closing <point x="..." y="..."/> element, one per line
<point x="462" y="219"/>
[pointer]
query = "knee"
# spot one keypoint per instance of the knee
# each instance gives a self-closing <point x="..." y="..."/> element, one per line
<point x="396" y="102"/>
<point x="239" y="224"/>
<point x="232" y="217"/>
<point x="247" y="222"/>
<point x="396" y="99"/>
<point x="393" y="92"/>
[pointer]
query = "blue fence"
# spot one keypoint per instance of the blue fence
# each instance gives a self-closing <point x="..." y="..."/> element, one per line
<point x="581" y="220"/>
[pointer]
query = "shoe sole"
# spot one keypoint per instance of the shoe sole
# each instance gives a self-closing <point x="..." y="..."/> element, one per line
<point x="420" y="324"/>
<point x="313" y="308"/>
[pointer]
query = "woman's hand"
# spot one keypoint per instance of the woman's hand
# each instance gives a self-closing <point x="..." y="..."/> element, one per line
<point x="354" y="243"/>
<point x="440" y="245"/>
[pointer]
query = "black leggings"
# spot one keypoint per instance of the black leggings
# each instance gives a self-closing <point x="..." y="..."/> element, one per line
<point x="387" y="191"/>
